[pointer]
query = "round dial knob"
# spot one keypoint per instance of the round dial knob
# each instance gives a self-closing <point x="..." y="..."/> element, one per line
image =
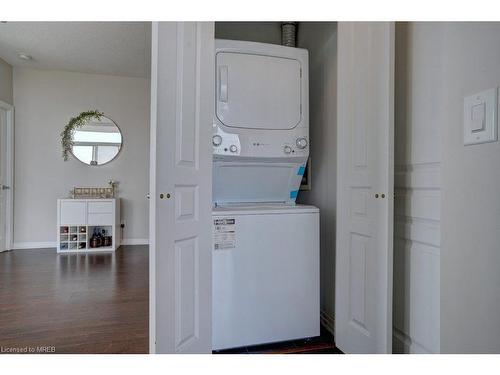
<point x="216" y="140"/>
<point x="233" y="148"/>
<point x="301" y="143"/>
<point x="287" y="149"/>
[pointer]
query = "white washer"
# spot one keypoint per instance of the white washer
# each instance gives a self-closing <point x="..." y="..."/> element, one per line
<point x="261" y="125"/>
<point x="265" y="274"/>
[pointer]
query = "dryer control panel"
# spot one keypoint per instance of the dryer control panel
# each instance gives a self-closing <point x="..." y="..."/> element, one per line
<point x="260" y="143"/>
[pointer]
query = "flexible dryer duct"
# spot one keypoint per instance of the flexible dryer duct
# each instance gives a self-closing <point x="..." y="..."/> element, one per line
<point x="288" y="33"/>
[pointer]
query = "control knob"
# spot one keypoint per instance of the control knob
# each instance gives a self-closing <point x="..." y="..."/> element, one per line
<point x="233" y="148"/>
<point x="287" y="149"/>
<point x="216" y="140"/>
<point x="301" y="143"/>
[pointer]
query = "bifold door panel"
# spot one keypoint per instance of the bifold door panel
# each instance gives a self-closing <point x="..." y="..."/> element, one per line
<point x="181" y="239"/>
<point x="363" y="285"/>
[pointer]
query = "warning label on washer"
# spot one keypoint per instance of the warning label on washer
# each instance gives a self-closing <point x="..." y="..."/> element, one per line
<point x="224" y="234"/>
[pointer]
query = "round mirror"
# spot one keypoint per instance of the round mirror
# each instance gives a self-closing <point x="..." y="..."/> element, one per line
<point x="97" y="142"/>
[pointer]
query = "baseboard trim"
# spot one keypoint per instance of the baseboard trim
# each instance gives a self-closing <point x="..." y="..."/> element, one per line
<point x="33" y="245"/>
<point x="327" y="321"/>
<point x="52" y="245"/>
<point x="135" y="241"/>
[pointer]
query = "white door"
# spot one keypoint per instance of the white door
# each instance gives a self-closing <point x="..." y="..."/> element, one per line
<point x="6" y="118"/>
<point x="363" y="300"/>
<point x="182" y="108"/>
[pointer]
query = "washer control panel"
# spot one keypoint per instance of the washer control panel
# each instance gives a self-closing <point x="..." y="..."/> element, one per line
<point x="226" y="143"/>
<point x="298" y="147"/>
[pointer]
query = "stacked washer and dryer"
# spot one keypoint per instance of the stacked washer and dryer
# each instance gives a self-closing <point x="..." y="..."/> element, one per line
<point x="266" y="247"/>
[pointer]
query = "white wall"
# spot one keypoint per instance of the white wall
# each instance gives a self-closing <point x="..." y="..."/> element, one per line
<point x="5" y="82"/>
<point x="44" y="102"/>
<point x="443" y="63"/>
<point x="320" y="38"/>
<point x="470" y="260"/>
<point x="417" y="228"/>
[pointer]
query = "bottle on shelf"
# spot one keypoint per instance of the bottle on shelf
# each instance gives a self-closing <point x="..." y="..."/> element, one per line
<point x="95" y="241"/>
<point x="106" y="239"/>
<point x="99" y="238"/>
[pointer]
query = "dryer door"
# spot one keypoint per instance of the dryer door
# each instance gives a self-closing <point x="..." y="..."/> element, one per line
<point x="258" y="91"/>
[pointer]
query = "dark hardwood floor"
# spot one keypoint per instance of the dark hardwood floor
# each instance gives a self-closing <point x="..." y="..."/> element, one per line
<point x="91" y="303"/>
<point x="323" y="344"/>
<point x="76" y="303"/>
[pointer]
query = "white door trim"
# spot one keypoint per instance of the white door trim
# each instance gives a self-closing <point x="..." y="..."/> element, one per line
<point x="9" y="219"/>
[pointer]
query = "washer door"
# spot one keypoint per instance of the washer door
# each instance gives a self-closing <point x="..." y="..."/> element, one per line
<point x="258" y="91"/>
<point x="256" y="182"/>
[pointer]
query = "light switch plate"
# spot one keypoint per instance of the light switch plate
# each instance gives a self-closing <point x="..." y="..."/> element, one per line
<point x="480" y="117"/>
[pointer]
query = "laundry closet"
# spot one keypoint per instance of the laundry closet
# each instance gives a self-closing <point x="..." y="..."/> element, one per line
<point x="318" y="41"/>
<point x="265" y="273"/>
<point x="277" y="213"/>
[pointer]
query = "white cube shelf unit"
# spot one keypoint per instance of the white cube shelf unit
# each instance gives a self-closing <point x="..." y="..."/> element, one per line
<point x="78" y="218"/>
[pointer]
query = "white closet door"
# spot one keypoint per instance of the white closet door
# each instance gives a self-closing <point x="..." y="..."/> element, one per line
<point x="182" y="88"/>
<point x="363" y="301"/>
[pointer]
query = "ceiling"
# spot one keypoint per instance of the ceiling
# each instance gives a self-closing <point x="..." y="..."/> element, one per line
<point x="115" y="48"/>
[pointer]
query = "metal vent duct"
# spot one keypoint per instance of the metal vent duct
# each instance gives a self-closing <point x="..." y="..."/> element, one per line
<point x="288" y="33"/>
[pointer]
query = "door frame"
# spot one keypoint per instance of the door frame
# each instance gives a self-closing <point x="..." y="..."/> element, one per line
<point x="9" y="217"/>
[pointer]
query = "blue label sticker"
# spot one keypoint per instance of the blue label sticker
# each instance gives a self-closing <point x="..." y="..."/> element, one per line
<point x="293" y="194"/>
<point x="301" y="171"/>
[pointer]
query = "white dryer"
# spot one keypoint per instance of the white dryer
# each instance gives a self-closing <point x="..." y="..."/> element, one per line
<point x="266" y="248"/>
<point x="261" y="126"/>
